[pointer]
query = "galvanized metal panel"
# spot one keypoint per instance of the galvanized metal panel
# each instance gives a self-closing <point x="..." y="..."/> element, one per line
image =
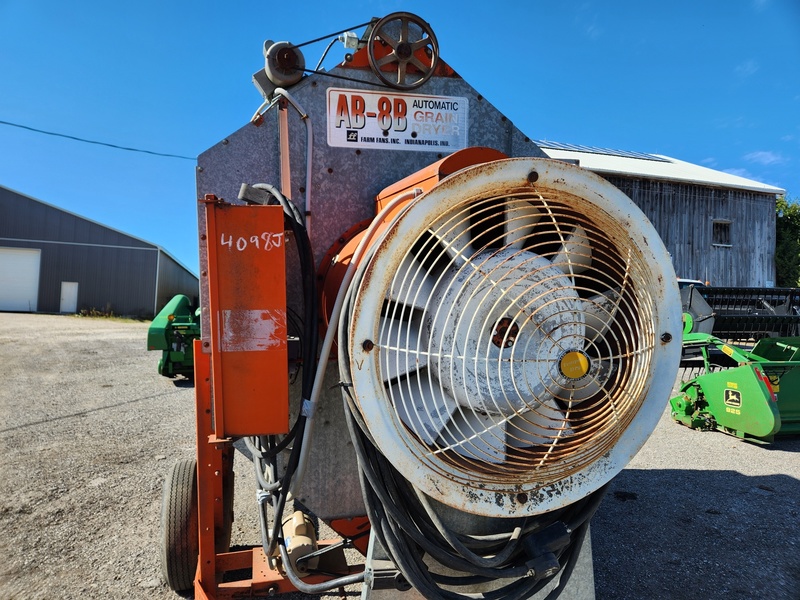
<point x="344" y="184"/>
<point x="652" y="166"/>
<point x="344" y="181"/>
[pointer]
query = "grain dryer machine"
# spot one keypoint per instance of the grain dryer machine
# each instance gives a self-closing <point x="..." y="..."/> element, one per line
<point x="435" y="343"/>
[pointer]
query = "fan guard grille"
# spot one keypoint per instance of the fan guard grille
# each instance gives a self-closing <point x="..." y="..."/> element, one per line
<point x="512" y="333"/>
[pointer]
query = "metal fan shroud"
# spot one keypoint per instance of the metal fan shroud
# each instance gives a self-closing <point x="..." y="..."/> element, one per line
<point x="513" y="336"/>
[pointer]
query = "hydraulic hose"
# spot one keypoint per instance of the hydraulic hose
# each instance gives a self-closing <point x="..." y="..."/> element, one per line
<point x="315" y="588"/>
<point x="306" y="257"/>
<point x="407" y="526"/>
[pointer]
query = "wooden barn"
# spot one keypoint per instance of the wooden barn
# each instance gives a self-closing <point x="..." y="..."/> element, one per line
<point x="718" y="227"/>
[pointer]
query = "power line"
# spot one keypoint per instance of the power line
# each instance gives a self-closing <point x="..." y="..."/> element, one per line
<point x="79" y="139"/>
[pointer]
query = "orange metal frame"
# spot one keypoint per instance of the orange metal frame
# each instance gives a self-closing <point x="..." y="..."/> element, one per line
<point x="214" y="467"/>
<point x="241" y="388"/>
<point x="241" y="372"/>
<point x="360" y="60"/>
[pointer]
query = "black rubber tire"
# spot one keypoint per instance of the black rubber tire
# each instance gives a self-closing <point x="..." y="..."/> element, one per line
<point x="179" y="533"/>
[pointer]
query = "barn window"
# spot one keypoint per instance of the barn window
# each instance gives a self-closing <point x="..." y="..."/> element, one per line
<point x="721" y="233"/>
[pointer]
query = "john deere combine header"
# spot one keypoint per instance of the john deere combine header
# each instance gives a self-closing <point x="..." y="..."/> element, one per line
<point x="173" y="331"/>
<point x="750" y="389"/>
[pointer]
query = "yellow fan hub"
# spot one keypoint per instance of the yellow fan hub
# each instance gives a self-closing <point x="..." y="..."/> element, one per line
<point x="574" y="364"/>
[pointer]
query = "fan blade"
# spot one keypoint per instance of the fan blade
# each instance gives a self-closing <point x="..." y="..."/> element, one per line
<point x="575" y="254"/>
<point x="412" y="285"/>
<point x="541" y="426"/>
<point x="521" y="216"/>
<point x="475" y="436"/>
<point x="599" y="311"/>
<point x="399" y="342"/>
<point x="454" y="237"/>
<point x="423" y="409"/>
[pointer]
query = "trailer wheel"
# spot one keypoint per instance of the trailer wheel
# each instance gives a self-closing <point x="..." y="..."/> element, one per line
<point x="179" y="535"/>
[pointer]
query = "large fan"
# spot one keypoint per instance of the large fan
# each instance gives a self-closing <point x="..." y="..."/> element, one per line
<point x="510" y="334"/>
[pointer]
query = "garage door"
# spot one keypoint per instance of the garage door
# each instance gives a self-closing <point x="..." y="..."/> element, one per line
<point x="19" y="279"/>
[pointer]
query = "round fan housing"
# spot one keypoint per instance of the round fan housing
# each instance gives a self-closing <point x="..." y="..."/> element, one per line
<point x="512" y="336"/>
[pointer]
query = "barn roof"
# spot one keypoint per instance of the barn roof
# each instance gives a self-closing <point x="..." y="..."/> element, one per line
<point x="653" y="166"/>
<point x="19" y="195"/>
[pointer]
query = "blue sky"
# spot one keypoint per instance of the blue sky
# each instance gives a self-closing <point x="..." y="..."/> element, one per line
<point x="713" y="82"/>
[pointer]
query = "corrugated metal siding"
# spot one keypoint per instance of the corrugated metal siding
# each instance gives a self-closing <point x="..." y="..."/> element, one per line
<point x="684" y="214"/>
<point x="118" y="280"/>
<point x="174" y="279"/>
<point x="115" y="272"/>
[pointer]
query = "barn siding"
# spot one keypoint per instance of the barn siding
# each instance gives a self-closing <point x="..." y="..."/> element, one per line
<point x="683" y="214"/>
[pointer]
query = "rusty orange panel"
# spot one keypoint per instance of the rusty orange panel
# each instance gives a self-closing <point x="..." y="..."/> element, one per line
<point x="427" y="177"/>
<point x="247" y="304"/>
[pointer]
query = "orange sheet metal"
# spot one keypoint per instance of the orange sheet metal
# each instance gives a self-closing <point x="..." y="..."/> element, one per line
<point x="247" y="304"/>
<point x="427" y="178"/>
<point x="337" y="259"/>
<point x="356" y="529"/>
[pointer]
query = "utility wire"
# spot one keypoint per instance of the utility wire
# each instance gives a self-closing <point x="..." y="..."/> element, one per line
<point x="79" y="139"/>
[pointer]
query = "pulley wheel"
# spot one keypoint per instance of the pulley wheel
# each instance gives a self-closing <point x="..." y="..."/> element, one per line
<point x="405" y="34"/>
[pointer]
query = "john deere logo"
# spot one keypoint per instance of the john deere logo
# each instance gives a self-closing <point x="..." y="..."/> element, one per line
<point x="733" y="398"/>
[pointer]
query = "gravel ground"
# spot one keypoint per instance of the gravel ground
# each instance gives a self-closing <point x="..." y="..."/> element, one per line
<point x="89" y="430"/>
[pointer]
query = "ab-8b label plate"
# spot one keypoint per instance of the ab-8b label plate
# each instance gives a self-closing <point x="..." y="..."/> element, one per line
<point x="366" y="119"/>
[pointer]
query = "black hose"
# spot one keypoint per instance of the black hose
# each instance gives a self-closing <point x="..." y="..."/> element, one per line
<point x="405" y="527"/>
<point x="315" y="588"/>
<point x="498" y="558"/>
<point x="296" y="223"/>
<point x="378" y="497"/>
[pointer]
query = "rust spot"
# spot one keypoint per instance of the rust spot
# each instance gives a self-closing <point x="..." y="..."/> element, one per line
<point x="505" y="333"/>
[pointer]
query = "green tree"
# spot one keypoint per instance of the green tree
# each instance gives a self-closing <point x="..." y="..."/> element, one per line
<point x="787" y="243"/>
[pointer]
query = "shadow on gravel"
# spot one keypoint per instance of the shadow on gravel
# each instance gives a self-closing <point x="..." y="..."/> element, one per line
<point x="183" y="382"/>
<point x="698" y="535"/>
<point x="84" y="413"/>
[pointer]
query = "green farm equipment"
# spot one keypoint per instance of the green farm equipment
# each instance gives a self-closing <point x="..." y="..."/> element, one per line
<point x="750" y="393"/>
<point x="173" y="331"/>
<point x="742" y="314"/>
